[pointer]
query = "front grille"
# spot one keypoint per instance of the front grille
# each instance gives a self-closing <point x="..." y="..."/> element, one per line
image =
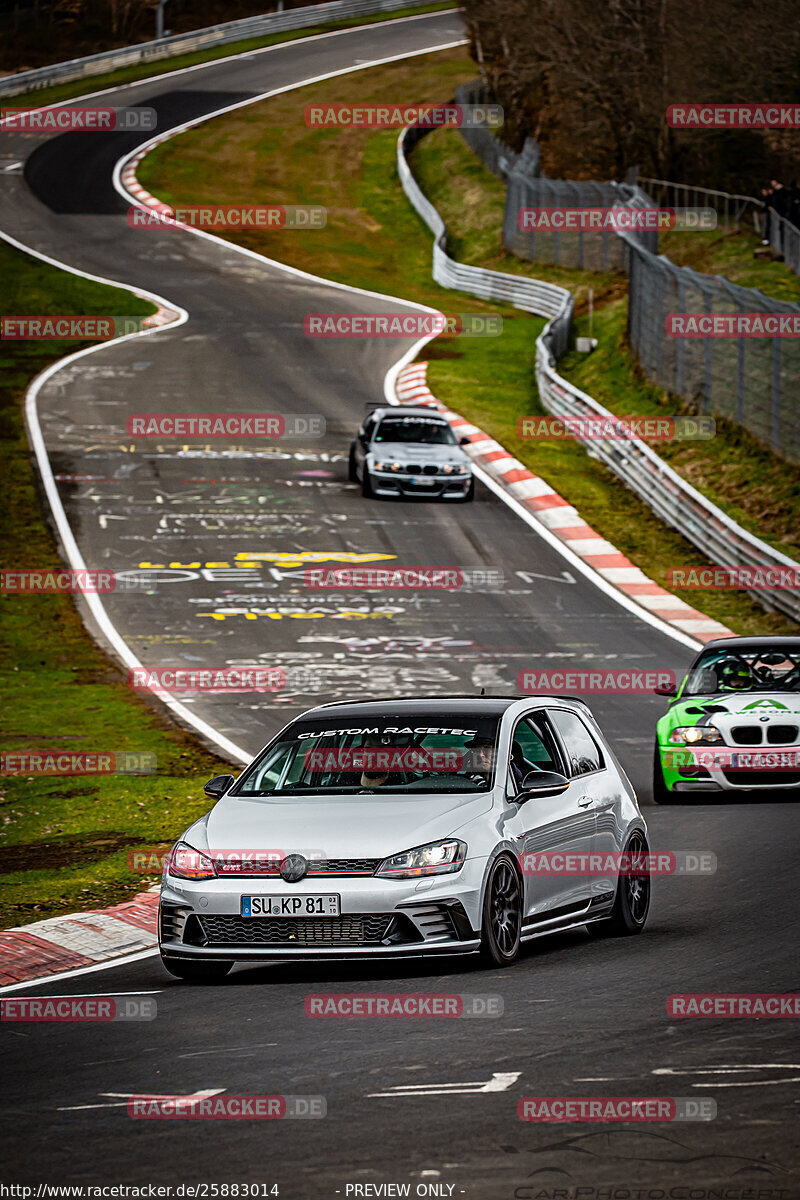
<point x="324" y="866"/>
<point x="781" y="735"/>
<point x="419" y="469"/>
<point x="746" y="735"/>
<point x="762" y="778"/>
<point x="358" y="929"/>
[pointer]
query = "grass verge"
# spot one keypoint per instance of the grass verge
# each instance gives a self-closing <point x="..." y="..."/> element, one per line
<point x="64" y="840"/>
<point x="373" y="239"/>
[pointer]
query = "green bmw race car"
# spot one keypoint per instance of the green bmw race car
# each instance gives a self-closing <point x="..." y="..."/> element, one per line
<point x="734" y="722"/>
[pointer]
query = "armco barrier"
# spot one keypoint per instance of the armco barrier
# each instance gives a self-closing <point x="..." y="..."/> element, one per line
<point x="675" y="501"/>
<point x="198" y="39"/>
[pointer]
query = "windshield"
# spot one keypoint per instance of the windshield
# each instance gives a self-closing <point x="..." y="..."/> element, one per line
<point x="755" y="669"/>
<point x="381" y="755"/>
<point x="415" y="429"/>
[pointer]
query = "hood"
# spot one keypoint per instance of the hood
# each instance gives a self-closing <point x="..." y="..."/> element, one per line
<point x="336" y="826"/>
<point x="726" y="709"/>
<point x="406" y="452"/>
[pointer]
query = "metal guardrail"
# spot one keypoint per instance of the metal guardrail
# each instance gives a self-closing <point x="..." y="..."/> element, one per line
<point x="198" y="39"/>
<point x="675" y="501"/>
<point x="730" y="206"/>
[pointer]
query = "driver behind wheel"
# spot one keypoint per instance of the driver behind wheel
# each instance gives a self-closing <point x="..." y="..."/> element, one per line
<point x="735" y="675"/>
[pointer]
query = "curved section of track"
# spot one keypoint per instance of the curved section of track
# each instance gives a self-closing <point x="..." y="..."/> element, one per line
<point x="579" y="1016"/>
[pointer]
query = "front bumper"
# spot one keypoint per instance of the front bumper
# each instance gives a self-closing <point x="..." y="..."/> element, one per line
<point x="705" y="776"/>
<point x="379" y="918"/>
<point x="438" y="487"/>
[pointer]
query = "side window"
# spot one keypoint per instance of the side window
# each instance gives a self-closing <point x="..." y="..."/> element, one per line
<point x="533" y="748"/>
<point x="582" y="750"/>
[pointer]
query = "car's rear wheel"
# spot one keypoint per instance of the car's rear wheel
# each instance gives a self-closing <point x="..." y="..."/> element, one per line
<point x="196" y="972"/>
<point x="502" y="914"/>
<point x="352" y="473"/>
<point x="661" y="793"/>
<point x="632" y="901"/>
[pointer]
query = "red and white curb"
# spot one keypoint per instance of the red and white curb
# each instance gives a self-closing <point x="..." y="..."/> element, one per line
<point x="164" y="316"/>
<point x="79" y="940"/>
<point x="557" y="515"/>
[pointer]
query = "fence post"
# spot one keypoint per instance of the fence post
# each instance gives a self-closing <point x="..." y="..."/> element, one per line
<point x="775" y="424"/>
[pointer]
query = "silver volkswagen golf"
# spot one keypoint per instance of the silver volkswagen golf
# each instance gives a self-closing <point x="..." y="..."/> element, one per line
<point x="398" y="828"/>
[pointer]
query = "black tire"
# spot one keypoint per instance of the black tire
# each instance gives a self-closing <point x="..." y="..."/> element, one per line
<point x="632" y="901"/>
<point x="470" y="492"/>
<point x="352" y="473"/>
<point x="661" y="793"/>
<point x="196" y="972"/>
<point x="501" y="929"/>
<point x="366" y="485"/>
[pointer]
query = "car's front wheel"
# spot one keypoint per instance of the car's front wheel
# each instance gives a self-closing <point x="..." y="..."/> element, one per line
<point x="632" y="901"/>
<point x="366" y="483"/>
<point x="470" y="492"/>
<point x="196" y="972"/>
<point x="502" y="914"/>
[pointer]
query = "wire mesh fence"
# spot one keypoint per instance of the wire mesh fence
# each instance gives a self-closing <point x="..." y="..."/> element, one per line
<point x="752" y="380"/>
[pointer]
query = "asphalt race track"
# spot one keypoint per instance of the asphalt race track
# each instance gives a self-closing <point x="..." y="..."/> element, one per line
<point x="580" y="1017"/>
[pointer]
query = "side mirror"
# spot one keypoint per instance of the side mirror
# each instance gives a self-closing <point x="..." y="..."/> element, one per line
<point x="541" y="783"/>
<point x="664" y="689"/>
<point x="218" y="786"/>
<point x="464" y="441"/>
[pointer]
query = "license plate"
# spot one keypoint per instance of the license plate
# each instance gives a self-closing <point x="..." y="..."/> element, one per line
<point x="423" y="481"/>
<point x="291" y="906"/>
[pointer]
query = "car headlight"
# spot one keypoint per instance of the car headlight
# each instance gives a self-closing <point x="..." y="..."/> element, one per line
<point x="187" y="863"/>
<point x="388" y="466"/>
<point x="437" y="858"/>
<point x="696" y="735"/>
<point x="455" y="469"/>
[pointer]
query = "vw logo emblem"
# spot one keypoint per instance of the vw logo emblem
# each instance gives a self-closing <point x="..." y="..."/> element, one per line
<point x="293" y="868"/>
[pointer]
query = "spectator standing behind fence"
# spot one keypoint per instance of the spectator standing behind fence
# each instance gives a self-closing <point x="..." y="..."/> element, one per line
<point x="776" y="199"/>
<point x="793" y="208"/>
